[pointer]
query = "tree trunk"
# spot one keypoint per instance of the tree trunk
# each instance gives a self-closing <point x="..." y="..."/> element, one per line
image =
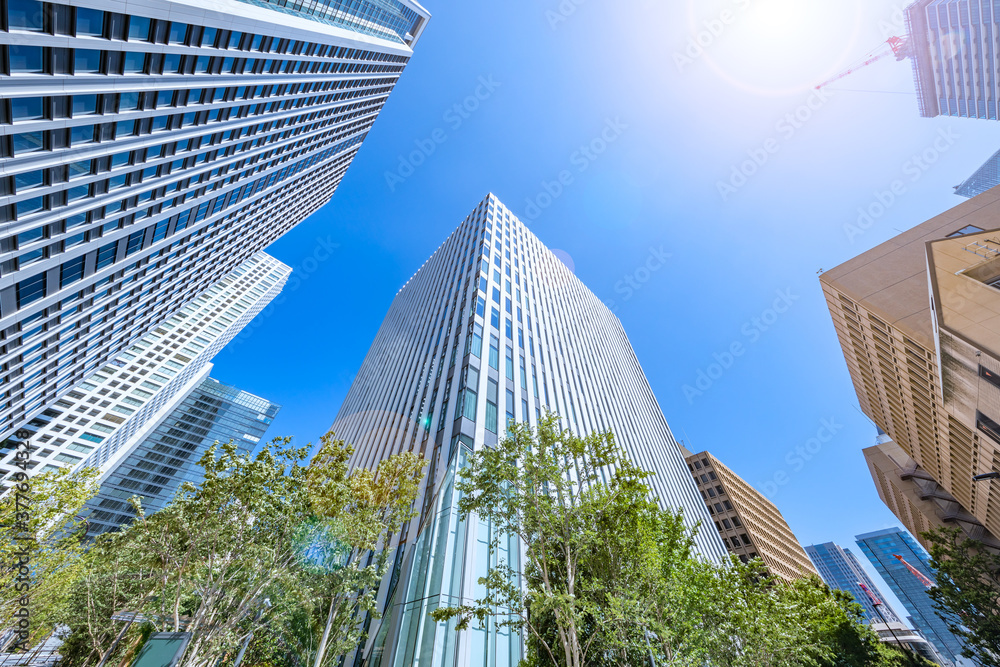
<point x="326" y="633"/>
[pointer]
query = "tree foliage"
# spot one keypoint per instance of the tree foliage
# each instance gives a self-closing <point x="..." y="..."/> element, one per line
<point x="967" y="594"/>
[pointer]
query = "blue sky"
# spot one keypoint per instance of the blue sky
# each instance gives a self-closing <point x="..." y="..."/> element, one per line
<point x="678" y="120"/>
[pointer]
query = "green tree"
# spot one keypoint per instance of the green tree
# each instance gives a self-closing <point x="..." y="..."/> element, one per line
<point x="967" y="594"/>
<point x="43" y="507"/>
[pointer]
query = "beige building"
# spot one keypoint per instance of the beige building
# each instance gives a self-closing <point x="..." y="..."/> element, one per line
<point x="749" y="524"/>
<point x="918" y="319"/>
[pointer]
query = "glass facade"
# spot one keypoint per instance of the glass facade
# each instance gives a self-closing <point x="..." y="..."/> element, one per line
<point x="839" y="568"/>
<point x="881" y="548"/>
<point x="383" y="18"/>
<point x="143" y="158"/>
<point x="156" y="468"/>
<point x="986" y="177"/>
<point x="444" y="369"/>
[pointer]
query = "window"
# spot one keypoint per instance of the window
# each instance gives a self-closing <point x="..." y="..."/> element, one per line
<point x="28" y="142"/>
<point x="25" y="15"/>
<point x="71" y="271"/>
<point x="510" y="363"/>
<point x="177" y="33"/>
<point x="29" y="179"/>
<point x="26" y="108"/>
<point x="138" y="29"/>
<point x="89" y="22"/>
<point x="491" y="406"/>
<point x="746" y="540"/>
<point x="87" y="61"/>
<point x="968" y="229"/>
<point x="30" y="290"/>
<point x="494" y="352"/>
<point x="495" y="318"/>
<point x="737" y="522"/>
<point x="477" y="341"/>
<point x="90" y="437"/>
<point x="481" y="307"/>
<point x="106" y="255"/>
<point x="728" y="504"/>
<point x="134" y="242"/>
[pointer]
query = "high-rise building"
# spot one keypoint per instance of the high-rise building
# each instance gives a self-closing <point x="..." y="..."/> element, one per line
<point x="954" y="60"/>
<point x="748" y="523"/>
<point x="147" y="150"/>
<point x="984" y="178"/>
<point x="840" y="569"/>
<point x="915" y="497"/>
<point x="492" y="328"/>
<point x="898" y="634"/>
<point x="884" y="548"/>
<point x="168" y="457"/>
<point x="925" y="367"/>
<point x="101" y="421"/>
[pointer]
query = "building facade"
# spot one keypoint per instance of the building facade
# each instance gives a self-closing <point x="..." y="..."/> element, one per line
<point x="492" y="328"/>
<point x="155" y="469"/>
<point x="147" y="150"/>
<point x="898" y="634"/>
<point x="984" y="178"/>
<point x="102" y="420"/>
<point x="884" y="548"/>
<point x="840" y="569"/>
<point x="748" y="523"/>
<point x="954" y="57"/>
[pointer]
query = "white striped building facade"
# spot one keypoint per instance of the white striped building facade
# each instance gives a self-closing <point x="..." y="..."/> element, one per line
<point x="493" y="327"/>
<point x="148" y="148"/>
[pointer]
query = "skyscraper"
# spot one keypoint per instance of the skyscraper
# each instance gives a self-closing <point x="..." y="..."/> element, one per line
<point x="840" y="569"/>
<point x="984" y="178"/>
<point x="147" y="150"/>
<point x="882" y="548"/>
<point x="749" y="524"/>
<point x="924" y="367"/>
<point x="492" y="328"/>
<point x="168" y="457"/>
<point x="101" y="421"/>
<point x="954" y="58"/>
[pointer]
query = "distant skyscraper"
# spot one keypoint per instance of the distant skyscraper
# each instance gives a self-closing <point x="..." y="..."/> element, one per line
<point x="168" y="457"/>
<point x="986" y="177"/>
<point x="954" y="59"/>
<point x="101" y="421"/>
<point x="749" y="524"/>
<point x="148" y="149"/>
<point x="492" y="328"/>
<point x="881" y="547"/>
<point x="840" y="569"/>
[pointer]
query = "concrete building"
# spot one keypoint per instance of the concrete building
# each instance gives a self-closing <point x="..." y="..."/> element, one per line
<point x="748" y="523"/>
<point x="492" y="328"/>
<point x="102" y="421"/>
<point x="840" y="569"/>
<point x="918" y="318"/>
<point x="155" y="469"/>
<point x="954" y="58"/>
<point x="884" y="548"/>
<point x="146" y="150"/>
<point x="983" y="179"/>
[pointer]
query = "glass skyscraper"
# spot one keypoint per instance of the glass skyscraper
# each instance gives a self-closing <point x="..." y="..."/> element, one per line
<point x="984" y="178"/>
<point x="100" y="421"/>
<point x="168" y="457"/>
<point x="492" y="328"/>
<point x="840" y="569"/>
<point x="881" y="548"/>
<point x="146" y="150"/>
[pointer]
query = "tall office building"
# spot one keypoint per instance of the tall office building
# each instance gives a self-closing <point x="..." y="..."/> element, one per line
<point x="492" y="328"/>
<point x="882" y="548"/>
<point x="168" y="457"/>
<point x="748" y="523"/>
<point x="954" y="59"/>
<point x="840" y="569"/>
<point x="984" y="178"/>
<point x="147" y="150"/>
<point x="101" y="421"/>
<point x="925" y="367"/>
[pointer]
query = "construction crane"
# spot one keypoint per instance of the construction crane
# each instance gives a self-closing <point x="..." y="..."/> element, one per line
<point x="898" y="47"/>
<point x="915" y="572"/>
